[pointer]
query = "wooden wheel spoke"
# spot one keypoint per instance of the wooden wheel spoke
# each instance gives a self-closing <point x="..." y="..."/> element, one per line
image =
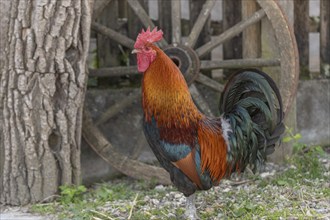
<point x="231" y="32"/>
<point x="138" y="147"/>
<point x="209" y="82"/>
<point x="198" y="26"/>
<point x="238" y="63"/>
<point x="199" y="100"/>
<point x="94" y="137"/>
<point x="114" y="35"/>
<point x="144" y="18"/>
<point x="141" y="13"/>
<point x="176" y="21"/>
<point x="113" y="71"/>
<point x="117" y="107"/>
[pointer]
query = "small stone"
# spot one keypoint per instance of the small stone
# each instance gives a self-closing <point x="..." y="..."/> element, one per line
<point x="293" y="167"/>
<point x="182" y="200"/>
<point x="321" y="211"/>
<point x="264" y="175"/>
<point x="160" y="188"/>
<point x="154" y="201"/>
<point x="177" y="196"/>
<point x="226" y="189"/>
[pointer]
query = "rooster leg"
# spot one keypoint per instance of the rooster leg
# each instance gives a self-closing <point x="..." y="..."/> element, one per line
<point x="190" y="212"/>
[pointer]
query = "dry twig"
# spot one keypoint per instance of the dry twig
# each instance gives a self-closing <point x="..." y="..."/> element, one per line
<point x="134" y="203"/>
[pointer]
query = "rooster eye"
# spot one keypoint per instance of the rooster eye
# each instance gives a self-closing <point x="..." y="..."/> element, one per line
<point x="148" y="49"/>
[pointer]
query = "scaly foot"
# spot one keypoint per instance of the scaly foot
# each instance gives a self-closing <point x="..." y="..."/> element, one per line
<point x="190" y="212"/>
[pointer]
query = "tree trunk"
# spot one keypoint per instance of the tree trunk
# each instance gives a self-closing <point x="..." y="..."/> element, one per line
<point x="43" y="83"/>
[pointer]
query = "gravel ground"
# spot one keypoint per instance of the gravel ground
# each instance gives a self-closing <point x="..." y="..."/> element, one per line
<point x="245" y="197"/>
<point x="21" y="213"/>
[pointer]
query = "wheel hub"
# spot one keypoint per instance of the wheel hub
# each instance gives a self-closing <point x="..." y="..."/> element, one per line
<point x="186" y="59"/>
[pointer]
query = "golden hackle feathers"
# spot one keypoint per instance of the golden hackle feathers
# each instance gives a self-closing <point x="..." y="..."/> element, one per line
<point x="166" y="95"/>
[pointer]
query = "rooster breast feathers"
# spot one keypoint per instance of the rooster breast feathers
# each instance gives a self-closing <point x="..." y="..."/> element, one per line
<point x="184" y="160"/>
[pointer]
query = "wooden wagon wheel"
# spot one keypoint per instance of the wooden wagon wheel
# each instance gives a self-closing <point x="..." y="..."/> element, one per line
<point x="190" y="59"/>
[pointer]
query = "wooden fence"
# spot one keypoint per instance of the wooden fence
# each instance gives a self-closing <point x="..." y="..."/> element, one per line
<point x="119" y="16"/>
<point x="303" y="25"/>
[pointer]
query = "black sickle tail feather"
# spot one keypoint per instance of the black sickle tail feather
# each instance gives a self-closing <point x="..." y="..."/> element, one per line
<point x="251" y="103"/>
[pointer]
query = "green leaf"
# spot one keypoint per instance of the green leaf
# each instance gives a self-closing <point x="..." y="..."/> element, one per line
<point x="250" y="206"/>
<point x="282" y="182"/>
<point x="297" y="136"/>
<point x="287" y="139"/>
<point x="239" y="212"/>
<point x="319" y="150"/>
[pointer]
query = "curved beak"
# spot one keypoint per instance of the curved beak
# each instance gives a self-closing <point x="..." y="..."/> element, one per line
<point x="135" y="51"/>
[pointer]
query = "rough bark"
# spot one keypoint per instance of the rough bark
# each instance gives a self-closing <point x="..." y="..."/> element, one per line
<point x="43" y="83"/>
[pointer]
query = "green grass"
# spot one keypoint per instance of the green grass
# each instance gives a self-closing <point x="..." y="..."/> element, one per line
<point x="294" y="193"/>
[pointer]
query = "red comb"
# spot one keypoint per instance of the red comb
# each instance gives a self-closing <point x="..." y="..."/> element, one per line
<point x="148" y="37"/>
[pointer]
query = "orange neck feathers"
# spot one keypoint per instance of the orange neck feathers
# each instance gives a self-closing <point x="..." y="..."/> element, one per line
<point x="166" y="97"/>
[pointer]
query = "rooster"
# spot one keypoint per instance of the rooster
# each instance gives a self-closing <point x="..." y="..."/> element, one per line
<point x="198" y="151"/>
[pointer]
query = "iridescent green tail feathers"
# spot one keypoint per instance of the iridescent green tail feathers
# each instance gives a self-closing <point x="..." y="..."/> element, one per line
<point x="251" y="103"/>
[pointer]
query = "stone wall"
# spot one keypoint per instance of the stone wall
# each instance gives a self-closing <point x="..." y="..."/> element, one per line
<point x="313" y="111"/>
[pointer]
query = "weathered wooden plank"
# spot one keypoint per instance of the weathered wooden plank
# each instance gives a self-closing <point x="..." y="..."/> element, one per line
<point x="122" y="9"/>
<point x="113" y="71"/>
<point x="325" y="38"/>
<point x="238" y="63"/>
<point x="301" y="30"/>
<point x="164" y="18"/>
<point x="107" y="53"/>
<point x="232" y="48"/>
<point x="176" y="21"/>
<point x="251" y="38"/>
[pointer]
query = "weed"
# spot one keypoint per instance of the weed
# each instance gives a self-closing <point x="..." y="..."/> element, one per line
<point x="72" y="194"/>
